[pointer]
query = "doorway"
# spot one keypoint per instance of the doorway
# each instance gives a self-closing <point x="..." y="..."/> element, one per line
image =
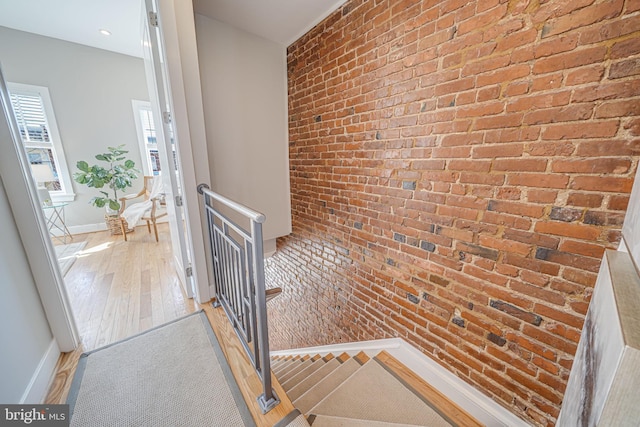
<point x="68" y="67"/>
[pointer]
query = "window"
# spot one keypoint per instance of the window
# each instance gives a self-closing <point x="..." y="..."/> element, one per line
<point x="146" y="137"/>
<point x="41" y="139"/>
<point x="145" y="125"/>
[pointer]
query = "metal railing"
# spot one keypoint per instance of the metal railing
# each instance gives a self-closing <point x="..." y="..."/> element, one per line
<point x="238" y="268"/>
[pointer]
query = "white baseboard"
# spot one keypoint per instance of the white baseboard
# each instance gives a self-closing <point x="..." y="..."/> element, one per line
<point x="476" y="403"/>
<point x="36" y="391"/>
<point x="101" y="226"/>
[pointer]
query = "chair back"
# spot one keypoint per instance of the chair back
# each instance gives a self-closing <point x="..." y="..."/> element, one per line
<point x="148" y="186"/>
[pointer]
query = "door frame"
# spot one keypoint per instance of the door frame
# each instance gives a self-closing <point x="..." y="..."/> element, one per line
<point x="29" y="217"/>
<point x="177" y="26"/>
<point x="184" y="76"/>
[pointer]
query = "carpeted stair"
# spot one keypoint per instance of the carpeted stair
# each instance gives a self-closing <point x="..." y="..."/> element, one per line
<point x="333" y="391"/>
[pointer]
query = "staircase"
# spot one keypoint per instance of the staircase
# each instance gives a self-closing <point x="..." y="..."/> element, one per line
<point x="360" y="390"/>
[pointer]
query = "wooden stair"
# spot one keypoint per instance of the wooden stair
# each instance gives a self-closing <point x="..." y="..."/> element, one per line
<point x="359" y="390"/>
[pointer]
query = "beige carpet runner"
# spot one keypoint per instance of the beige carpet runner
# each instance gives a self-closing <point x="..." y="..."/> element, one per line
<point x="173" y="376"/>
<point x="360" y="391"/>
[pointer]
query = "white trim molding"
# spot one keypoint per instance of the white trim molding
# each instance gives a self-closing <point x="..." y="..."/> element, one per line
<point x="36" y="391"/>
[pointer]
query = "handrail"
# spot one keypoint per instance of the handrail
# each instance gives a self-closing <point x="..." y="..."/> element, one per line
<point x="238" y="268"/>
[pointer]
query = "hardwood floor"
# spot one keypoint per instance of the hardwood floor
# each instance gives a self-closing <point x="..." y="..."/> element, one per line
<point x="118" y="289"/>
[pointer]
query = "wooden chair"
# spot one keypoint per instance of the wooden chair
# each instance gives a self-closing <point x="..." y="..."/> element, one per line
<point x="152" y="214"/>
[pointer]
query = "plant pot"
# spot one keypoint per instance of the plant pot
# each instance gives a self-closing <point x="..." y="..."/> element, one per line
<point x="113" y="224"/>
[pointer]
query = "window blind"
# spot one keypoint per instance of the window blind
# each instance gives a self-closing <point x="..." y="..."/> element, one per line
<point x="31" y="118"/>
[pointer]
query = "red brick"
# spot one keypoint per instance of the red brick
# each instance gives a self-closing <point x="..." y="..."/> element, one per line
<point x="577" y="231"/>
<point x="531" y="264"/>
<point x="581" y="131"/>
<point x="541" y="196"/>
<point x="549" y="339"/>
<point x="568" y="113"/>
<point x="537" y="292"/>
<point x="608" y="148"/>
<point x="618" y="203"/>
<point x="494" y="151"/>
<point x="551" y="149"/>
<point x="583" y="17"/>
<point x="597" y="183"/>
<point x="563" y="43"/>
<point x="539" y="101"/>
<point x="625" y="48"/>
<point x="582" y="248"/>
<point x="618" y="108"/>
<point x="538" y="180"/>
<point x="580" y="277"/>
<point x="573" y="59"/>
<point x="536" y="348"/>
<point x="632" y="6"/>
<point x="589" y="74"/>
<point x="610" y="165"/>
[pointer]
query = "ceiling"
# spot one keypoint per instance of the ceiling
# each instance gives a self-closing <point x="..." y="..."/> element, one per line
<point x="79" y="21"/>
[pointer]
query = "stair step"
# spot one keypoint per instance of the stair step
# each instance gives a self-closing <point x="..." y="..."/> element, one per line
<point x="329" y="421"/>
<point x="318" y="392"/>
<point x="300" y="376"/>
<point x="286" y="360"/>
<point x="432" y="396"/>
<point x="372" y="393"/>
<point x="293" y="363"/>
<point x="291" y="373"/>
<point x="278" y="363"/>
<point x="304" y="385"/>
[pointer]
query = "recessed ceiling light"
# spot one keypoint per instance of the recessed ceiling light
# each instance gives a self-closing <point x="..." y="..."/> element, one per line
<point x="104" y="32"/>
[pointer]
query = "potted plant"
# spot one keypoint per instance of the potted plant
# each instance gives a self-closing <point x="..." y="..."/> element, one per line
<point x="117" y="175"/>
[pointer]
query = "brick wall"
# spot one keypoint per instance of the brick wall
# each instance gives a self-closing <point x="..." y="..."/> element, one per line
<point x="457" y="170"/>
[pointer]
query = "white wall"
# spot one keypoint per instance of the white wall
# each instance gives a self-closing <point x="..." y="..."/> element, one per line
<point x="91" y="91"/>
<point x="25" y="336"/>
<point x="244" y="87"/>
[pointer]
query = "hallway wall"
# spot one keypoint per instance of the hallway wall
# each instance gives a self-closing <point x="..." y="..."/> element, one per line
<point x="457" y="170"/>
<point x="91" y="92"/>
<point x="24" y="329"/>
<point x="245" y="106"/>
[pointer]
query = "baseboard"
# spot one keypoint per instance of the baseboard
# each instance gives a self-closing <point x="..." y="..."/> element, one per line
<point x="93" y="228"/>
<point x="36" y="391"/>
<point x="476" y="403"/>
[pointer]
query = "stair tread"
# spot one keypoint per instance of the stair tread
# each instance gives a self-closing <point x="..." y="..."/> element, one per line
<point x="316" y="393"/>
<point x="304" y="385"/>
<point x="290" y="366"/>
<point x="300" y="376"/>
<point x="290" y="374"/>
<point x="331" y="421"/>
<point x="426" y="391"/>
<point x="372" y="393"/>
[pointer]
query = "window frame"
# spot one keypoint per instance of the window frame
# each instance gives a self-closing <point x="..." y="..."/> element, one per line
<point x="144" y="146"/>
<point x="66" y="193"/>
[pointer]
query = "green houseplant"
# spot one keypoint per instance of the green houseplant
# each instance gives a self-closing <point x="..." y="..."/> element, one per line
<point x="117" y="175"/>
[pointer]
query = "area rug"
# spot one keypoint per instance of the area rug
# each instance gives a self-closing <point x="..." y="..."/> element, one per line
<point x="67" y="255"/>
<point x="174" y="375"/>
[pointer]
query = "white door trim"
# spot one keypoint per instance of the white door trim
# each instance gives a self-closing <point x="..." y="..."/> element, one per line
<point x="179" y="34"/>
<point x="29" y="218"/>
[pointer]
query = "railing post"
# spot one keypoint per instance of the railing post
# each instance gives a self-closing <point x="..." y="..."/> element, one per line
<point x="268" y="399"/>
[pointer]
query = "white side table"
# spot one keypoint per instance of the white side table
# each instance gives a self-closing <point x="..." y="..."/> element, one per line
<point x="54" y="217"/>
